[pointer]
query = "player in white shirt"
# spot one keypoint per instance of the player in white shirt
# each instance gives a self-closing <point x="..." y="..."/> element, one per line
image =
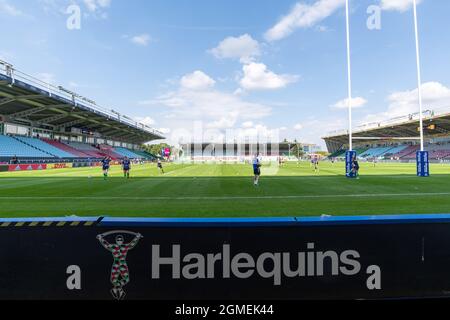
<point x="256" y="170"/>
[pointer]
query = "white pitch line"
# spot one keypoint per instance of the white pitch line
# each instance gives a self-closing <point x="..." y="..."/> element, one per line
<point x="366" y="195"/>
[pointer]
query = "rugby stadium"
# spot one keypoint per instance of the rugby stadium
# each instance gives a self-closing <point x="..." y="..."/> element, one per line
<point x="59" y="140"/>
<point x="217" y="179"/>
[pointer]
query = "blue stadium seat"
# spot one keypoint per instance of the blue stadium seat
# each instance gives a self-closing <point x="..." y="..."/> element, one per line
<point x="376" y="152"/>
<point x="11" y="147"/>
<point x="45" y="147"/>
<point x="127" y="153"/>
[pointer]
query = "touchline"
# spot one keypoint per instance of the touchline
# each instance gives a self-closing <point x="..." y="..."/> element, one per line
<point x="268" y="265"/>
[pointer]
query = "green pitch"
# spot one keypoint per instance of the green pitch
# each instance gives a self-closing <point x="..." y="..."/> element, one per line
<point x="225" y="191"/>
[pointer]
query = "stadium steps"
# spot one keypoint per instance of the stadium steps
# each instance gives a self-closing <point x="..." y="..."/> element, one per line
<point x="45" y="147"/>
<point x="360" y="151"/>
<point x="90" y="151"/>
<point x="149" y="155"/>
<point x="31" y="143"/>
<point x="12" y="147"/>
<point x="108" y="150"/>
<point x="439" y="154"/>
<point x="128" y="153"/>
<point x="408" y="153"/>
<point x="66" y="148"/>
<point x="376" y="152"/>
<point x="394" y="151"/>
<point x="341" y="153"/>
<point x="337" y="154"/>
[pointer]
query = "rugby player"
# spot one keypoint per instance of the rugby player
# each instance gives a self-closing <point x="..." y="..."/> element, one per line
<point x="355" y="166"/>
<point x="105" y="165"/>
<point x="316" y="165"/>
<point x="256" y="169"/>
<point x="126" y="165"/>
<point x="160" y="167"/>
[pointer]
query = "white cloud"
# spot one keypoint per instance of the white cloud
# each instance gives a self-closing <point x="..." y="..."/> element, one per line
<point x="313" y="130"/>
<point x="397" y="5"/>
<point x="247" y="124"/>
<point x="47" y="77"/>
<point x="197" y="80"/>
<point x="164" y="130"/>
<point x="435" y="96"/>
<point x="357" y="102"/>
<point x="258" y="77"/>
<point x="93" y="5"/>
<point x="303" y="16"/>
<point x="104" y="3"/>
<point x="196" y="100"/>
<point x="259" y="132"/>
<point x="96" y="9"/>
<point x="298" y="127"/>
<point x="6" y="55"/>
<point x="244" y="48"/>
<point x="322" y="28"/>
<point x="9" y="9"/>
<point x="223" y="123"/>
<point x="145" y="120"/>
<point x="141" y="40"/>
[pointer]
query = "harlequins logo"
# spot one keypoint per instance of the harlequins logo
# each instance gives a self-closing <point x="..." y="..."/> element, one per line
<point x="120" y="275"/>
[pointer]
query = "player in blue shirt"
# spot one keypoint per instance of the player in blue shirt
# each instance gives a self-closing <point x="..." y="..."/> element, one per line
<point x="105" y="165"/>
<point x="256" y="170"/>
<point x="126" y="165"/>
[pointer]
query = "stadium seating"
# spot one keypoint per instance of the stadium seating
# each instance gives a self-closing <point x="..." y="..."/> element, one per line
<point x="109" y="151"/>
<point x="66" y="148"/>
<point x="337" y="154"/>
<point x="89" y="150"/>
<point x="438" y="151"/>
<point x="12" y="147"/>
<point x="361" y="150"/>
<point x="128" y="153"/>
<point x="439" y="154"/>
<point x="408" y="153"/>
<point x="394" y="151"/>
<point x="146" y="155"/>
<point x="45" y="147"/>
<point x="375" y="152"/>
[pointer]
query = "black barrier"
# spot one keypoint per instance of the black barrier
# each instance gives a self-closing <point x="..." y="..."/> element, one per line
<point x="4" y="168"/>
<point x="133" y="259"/>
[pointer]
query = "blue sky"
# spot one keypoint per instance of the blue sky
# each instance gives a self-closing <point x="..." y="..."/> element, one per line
<point x="236" y="68"/>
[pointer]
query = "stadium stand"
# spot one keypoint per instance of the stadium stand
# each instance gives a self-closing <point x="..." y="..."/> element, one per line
<point x="66" y="148"/>
<point x="128" y="153"/>
<point x="375" y="152"/>
<point x="146" y="155"/>
<point x="440" y="154"/>
<point x="31" y="107"/>
<point x="12" y="147"/>
<point x="45" y="147"/>
<point x="337" y="154"/>
<point x="89" y="150"/>
<point x="109" y="151"/>
<point x="408" y="153"/>
<point x="438" y="151"/>
<point x="394" y="151"/>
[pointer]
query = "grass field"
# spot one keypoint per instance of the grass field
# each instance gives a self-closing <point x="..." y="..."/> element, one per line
<point x="225" y="191"/>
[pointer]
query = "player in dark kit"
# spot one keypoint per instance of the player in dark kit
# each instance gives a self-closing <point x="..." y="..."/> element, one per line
<point x="126" y="165"/>
<point x="106" y="164"/>
<point x="160" y="167"/>
<point x="316" y="165"/>
<point x="355" y="166"/>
